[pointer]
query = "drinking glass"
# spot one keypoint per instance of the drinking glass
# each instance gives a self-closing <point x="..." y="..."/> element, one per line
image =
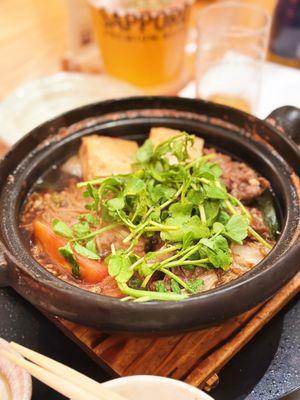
<point x="232" y="46"/>
<point x="142" y="41"/>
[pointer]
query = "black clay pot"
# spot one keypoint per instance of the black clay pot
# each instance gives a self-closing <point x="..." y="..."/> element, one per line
<point x="257" y="142"/>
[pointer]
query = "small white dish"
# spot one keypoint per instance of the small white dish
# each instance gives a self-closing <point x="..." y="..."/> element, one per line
<point x="149" y="387"/>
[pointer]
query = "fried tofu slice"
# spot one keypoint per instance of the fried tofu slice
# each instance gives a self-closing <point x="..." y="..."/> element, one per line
<point x="159" y="135"/>
<point x="102" y="156"/>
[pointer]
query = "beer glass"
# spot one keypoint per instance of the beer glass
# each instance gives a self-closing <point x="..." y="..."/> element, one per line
<point x="142" y="41"/>
<point x="232" y="46"/>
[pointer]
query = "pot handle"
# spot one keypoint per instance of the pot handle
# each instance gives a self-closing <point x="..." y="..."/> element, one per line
<point x="3" y="269"/>
<point x="287" y="118"/>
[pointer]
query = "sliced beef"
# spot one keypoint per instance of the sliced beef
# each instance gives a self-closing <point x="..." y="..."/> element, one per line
<point x="115" y="237"/>
<point x="258" y="223"/>
<point x="241" y="180"/>
<point x="209" y="277"/>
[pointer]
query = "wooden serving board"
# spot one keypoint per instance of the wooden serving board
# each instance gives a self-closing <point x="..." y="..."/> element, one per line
<point x="195" y="357"/>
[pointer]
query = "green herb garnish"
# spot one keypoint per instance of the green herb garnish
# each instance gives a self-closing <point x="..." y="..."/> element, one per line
<point x="168" y="196"/>
<point x="68" y="254"/>
<point x="266" y="206"/>
<point x="61" y="229"/>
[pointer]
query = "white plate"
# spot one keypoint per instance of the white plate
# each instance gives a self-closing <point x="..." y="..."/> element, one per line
<point x="40" y="100"/>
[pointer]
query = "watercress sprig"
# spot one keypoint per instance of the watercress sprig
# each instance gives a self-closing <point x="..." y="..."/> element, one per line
<point x="180" y="202"/>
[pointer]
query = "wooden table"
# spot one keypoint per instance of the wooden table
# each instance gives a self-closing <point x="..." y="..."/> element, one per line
<point x="33" y="38"/>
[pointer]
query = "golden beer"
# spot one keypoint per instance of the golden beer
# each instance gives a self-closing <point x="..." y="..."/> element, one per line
<point x="142" y="41"/>
<point x="231" y="101"/>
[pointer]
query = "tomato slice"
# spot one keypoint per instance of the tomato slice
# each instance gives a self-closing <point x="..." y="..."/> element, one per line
<point x="91" y="271"/>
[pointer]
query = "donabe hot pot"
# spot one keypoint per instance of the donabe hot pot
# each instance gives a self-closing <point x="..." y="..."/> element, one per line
<point x="271" y="150"/>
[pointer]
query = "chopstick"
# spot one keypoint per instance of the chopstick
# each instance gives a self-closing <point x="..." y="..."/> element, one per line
<point x="59" y="384"/>
<point x="68" y="373"/>
<point x="59" y="377"/>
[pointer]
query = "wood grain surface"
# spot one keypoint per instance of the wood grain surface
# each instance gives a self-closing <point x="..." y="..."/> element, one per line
<point x="196" y="357"/>
<point x="32" y="40"/>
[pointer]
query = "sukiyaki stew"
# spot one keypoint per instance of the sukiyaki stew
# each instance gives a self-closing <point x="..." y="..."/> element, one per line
<point x="161" y="222"/>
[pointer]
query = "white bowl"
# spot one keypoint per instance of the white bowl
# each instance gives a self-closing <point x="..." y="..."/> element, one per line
<point x="145" y="387"/>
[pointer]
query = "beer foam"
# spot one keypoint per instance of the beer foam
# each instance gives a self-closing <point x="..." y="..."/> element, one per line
<point x="136" y="5"/>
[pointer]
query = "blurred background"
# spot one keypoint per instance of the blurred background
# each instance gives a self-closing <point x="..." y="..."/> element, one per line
<point x="61" y="54"/>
